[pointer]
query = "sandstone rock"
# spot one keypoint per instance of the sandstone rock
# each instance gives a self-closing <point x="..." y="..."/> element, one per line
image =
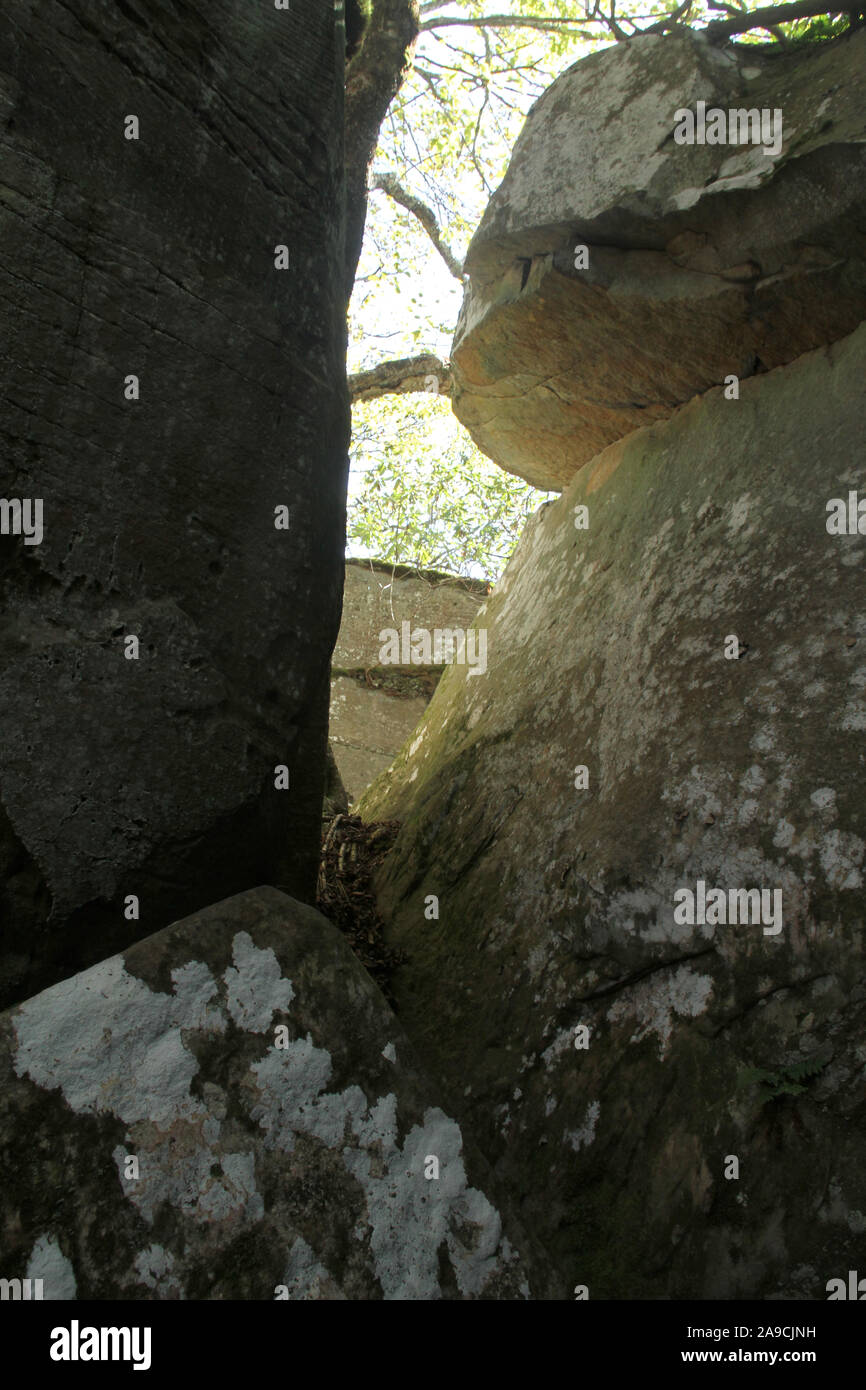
<point x="606" y="650"/>
<point x="379" y="596"/>
<point x="374" y="708"/>
<point x="704" y="260"/>
<point x="367" y="727"/>
<point x="261" y="1170"/>
<point x="155" y="257"/>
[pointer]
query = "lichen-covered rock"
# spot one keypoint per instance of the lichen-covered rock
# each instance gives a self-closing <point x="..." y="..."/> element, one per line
<point x="704" y="260"/>
<point x="682" y="1102"/>
<point x="230" y="1110"/>
<point x="165" y="387"/>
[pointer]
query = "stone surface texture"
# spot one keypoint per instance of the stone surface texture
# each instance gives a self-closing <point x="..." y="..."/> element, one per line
<point x="606" y="650"/>
<point x="280" y="1123"/>
<point x="375" y="708"/>
<point x="704" y="260"/>
<point x="156" y="257"/>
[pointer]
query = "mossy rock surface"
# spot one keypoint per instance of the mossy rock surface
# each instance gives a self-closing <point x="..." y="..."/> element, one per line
<point x="606" y="649"/>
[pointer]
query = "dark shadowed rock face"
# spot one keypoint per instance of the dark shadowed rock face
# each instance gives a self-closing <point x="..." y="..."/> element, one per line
<point x="282" y="1134"/>
<point x="614" y="755"/>
<point x="704" y="260"/>
<point x="156" y="258"/>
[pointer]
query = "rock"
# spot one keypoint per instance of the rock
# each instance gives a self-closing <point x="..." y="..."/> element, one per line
<point x="279" y="1125"/>
<point x="336" y="801"/>
<point x="557" y="891"/>
<point x="380" y="596"/>
<point x="155" y="258"/>
<point x="375" y="706"/>
<point x="368" y="726"/>
<point x="704" y="261"/>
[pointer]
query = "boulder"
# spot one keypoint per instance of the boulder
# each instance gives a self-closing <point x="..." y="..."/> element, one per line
<point x="380" y="596"/>
<point x="674" y="706"/>
<point x="368" y="726"/>
<point x="164" y="388"/>
<point x="703" y="260"/>
<point x="376" y="703"/>
<point x="231" y="1111"/>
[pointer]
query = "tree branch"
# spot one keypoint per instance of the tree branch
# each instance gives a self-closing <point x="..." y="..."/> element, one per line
<point x="739" y="9"/>
<point x="671" y="20"/>
<point x="373" y="79"/>
<point x="388" y="184"/>
<point x="402" y="377"/>
<point x="507" y="21"/>
<point x="777" y="14"/>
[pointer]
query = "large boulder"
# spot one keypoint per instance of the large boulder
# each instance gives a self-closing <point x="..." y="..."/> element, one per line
<point x="229" y="1111"/>
<point x="674" y="703"/>
<point x="704" y="260"/>
<point x="154" y="257"/>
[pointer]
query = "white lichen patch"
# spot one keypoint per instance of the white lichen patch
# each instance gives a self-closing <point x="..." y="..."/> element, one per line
<point x="631" y="912"/>
<point x="409" y="1216"/>
<point x="583" y="1136"/>
<point x="738" y="513"/>
<point x="753" y="779"/>
<point x="561" y="1043"/>
<point x="124" y="1053"/>
<point x="255" y="988"/>
<point x="854" y="715"/>
<point x="835" y="1209"/>
<point x="842" y="858"/>
<point x="48" y="1263"/>
<point x="155" y="1269"/>
<point x="656" y="544"/>
<point x="305" y="1278"/>
<point x="748" y="168"/>
<point x="654" y="1002"/>
<point x="646" y="916"/>
<point x="114" y="1046"/>
<point x="764" y="741"/>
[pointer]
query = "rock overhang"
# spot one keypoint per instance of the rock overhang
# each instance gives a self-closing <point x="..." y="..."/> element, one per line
<point x="703" y="260"/>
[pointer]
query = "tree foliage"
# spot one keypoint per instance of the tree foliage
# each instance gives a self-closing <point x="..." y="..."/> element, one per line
<point x="429" y="499"/>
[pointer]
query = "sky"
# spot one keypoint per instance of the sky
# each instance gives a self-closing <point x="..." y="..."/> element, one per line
<point x="406" y="301"/>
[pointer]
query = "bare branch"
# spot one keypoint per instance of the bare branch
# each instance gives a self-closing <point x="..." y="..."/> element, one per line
<point x="388" y="184"/>
<point x="431" y="78"/>
<point x="669" y="20"/>
<point x="402" y="377"/>
<point x="740" y="9"/>
<point x="610" y="20"/>
<point x="776" y="14"/>
<point x="509" y="21"/>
